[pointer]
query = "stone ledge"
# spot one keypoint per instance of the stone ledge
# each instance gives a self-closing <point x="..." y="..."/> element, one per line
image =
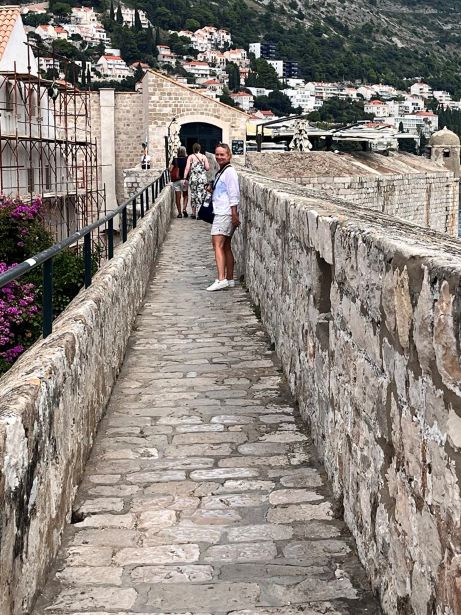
<point x="364" y="310"/>
<point x="52" y="401"/>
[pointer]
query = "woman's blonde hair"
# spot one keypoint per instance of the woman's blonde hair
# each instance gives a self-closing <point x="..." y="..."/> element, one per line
<point x="224" y="146"/>
<point x="182" y="151"/>
<point x="196" y="148"/>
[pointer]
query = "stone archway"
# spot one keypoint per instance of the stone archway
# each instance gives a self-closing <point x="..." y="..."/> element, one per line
<point x="205" y="129"/>
<point x="208" y="135"/>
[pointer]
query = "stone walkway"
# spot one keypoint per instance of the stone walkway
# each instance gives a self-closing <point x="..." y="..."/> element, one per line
<point x="202" y="494"/>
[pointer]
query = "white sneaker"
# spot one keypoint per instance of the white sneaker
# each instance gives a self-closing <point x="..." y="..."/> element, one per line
<point x="218" y="285"/>
<point x="231" y="283"/>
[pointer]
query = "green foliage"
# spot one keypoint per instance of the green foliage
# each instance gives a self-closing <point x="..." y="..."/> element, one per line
<point x="62" y="9"/>
<point x="226" y="99"/>
<point x="340" y="111"/>
<point x="451" y="118"/>
<point x="192" y="24"/>
<point x="407" y="145"/>
<point x="262" y="75"/>
<point x="119" y="16"/>
<point x="137" y="21"/>
<point x="22" y="234"/>
<point x="234" y="76"/>
<point x="36" y="19"/>
<point x="181" y="45"/>
<point x="277" y="102"/>
<point x="66" y="49"/>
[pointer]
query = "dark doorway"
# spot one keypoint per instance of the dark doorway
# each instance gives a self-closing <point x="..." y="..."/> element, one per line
<point x="198" y="132"/>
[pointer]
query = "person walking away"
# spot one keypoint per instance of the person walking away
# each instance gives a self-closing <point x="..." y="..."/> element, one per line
<point x="180" y="185"/>
<point x="196" y="168"/>
<point x="226" y="199"/>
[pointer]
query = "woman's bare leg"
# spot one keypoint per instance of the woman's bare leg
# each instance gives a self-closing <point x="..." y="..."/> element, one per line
<point x="229" y="258"/>
<point x="218" y="242"/>
<point x="177" y="196"/>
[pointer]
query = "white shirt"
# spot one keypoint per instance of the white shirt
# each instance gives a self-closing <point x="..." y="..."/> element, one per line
<point x="226" y="192"/>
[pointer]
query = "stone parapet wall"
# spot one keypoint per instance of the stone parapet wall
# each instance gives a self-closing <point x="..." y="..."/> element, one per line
<point x="429" y="199"/>
<point x="51" y="404"/>
<point x="411" y="187"/>
<point x="135" y="180"/>
<point x="365" y="313"/>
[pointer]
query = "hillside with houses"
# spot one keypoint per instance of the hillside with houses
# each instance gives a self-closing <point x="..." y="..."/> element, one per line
<point x="112" y="46"/>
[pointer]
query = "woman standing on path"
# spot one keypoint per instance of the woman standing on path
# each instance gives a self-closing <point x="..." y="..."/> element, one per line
<point x="196" y="168"/>
<point x="226" y="199"/>
<point x="177" y="171"/>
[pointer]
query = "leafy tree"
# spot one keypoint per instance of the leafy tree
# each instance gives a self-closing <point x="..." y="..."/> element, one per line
<point x="119" y="16"/>
<point x="137" y="20"/>
<point x="180" y="45"/>
<point x="192" y="24"/>
<point x="226" y="99"/>
<point x="234" y="76"/>
<point x="407" y="145"/>
<point x="66" y="49"/>
<point x="51" y="74"/>
<point x="61" y="9"/>
<point x="277" y="102"/>
<point x="262" y="75"/>
<point x="36" y="19"/>
<point x="340" y="111"/>
<point x="138" y="73"/>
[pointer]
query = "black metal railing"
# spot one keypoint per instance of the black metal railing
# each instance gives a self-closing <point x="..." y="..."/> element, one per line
<point x="145" y="198"/>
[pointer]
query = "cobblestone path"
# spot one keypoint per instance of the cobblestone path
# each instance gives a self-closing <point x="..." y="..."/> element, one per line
<point x="202" y="494"/>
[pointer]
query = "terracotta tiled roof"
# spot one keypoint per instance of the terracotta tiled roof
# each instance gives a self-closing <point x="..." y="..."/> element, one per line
<point x="8" y="17"/>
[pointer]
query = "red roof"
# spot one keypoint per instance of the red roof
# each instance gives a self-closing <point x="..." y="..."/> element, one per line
<point x="376" y="102"/>
<point x="112" y="57"/>
<point x="268" y="112"/>
<point x="8" y="17"/>
<point x="425" y="113"/>
<point x="240" y="94"/>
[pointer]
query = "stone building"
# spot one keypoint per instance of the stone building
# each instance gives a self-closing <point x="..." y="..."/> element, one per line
<point x="445" y="149"/>
<point x="125" y="120"/>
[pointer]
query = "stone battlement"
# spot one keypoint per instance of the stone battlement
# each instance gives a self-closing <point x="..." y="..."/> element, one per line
<point x="364" y="311"/>
<point x="403" y="185"/>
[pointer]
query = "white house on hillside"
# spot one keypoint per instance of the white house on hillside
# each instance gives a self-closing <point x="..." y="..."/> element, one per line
<point x="128" y="17"/>
<point x="113" y="67"/>
<point x="421" y="89"/>
<point x="198" y="69"/>
<point x="422" y="122"/>
<point x="243" y="99"/>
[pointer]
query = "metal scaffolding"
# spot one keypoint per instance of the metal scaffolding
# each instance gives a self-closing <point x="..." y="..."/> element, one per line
<point x="47" y="148"/>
